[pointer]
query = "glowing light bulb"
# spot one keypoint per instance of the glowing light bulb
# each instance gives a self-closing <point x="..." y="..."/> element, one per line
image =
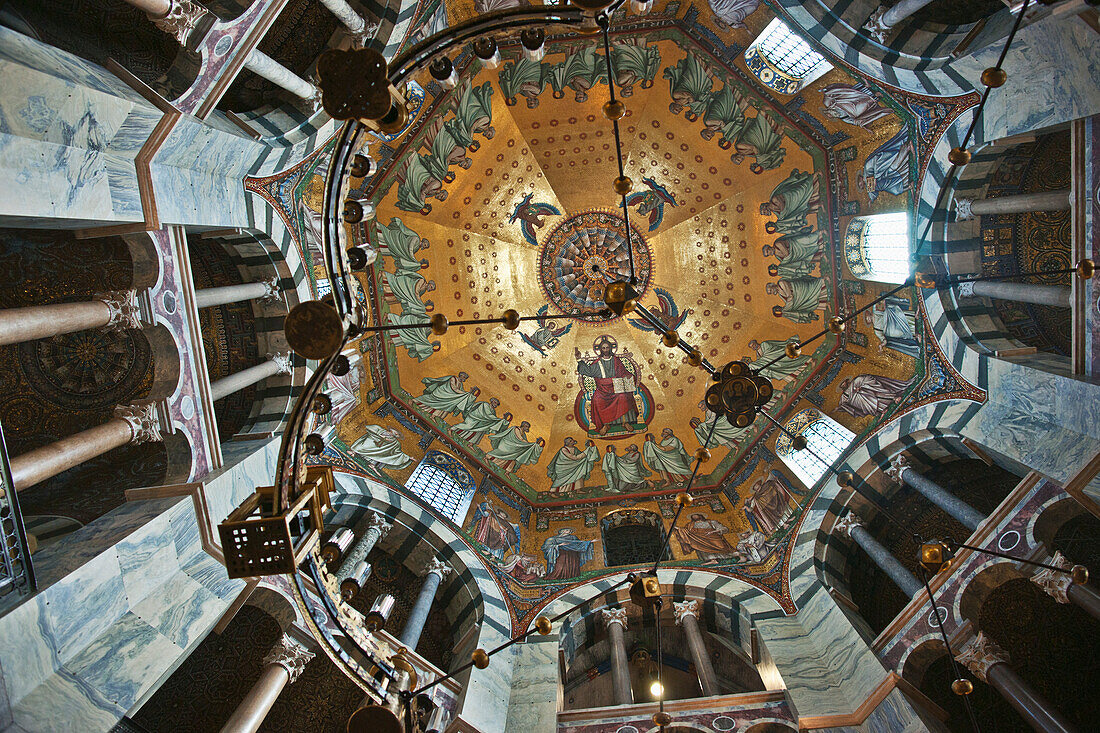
<point x="657" y="690"/>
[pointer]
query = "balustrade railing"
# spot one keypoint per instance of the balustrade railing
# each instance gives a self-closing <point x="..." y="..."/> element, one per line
<point x="16" y="569"/>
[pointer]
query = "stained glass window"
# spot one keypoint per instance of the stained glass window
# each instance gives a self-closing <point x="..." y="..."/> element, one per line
<point x="826" y="440"/>
<point x="444" y="483"/>
<point x="876" y="247"/>
<point x="783" y="60"/>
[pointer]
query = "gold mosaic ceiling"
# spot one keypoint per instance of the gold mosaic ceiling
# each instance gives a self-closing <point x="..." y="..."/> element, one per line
<point x="500" y="197"/>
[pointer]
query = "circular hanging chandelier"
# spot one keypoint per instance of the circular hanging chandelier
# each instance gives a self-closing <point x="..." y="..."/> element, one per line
<point x="607" y="282"/>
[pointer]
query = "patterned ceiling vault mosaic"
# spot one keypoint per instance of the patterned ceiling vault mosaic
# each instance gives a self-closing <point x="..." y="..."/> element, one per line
<point x="499" y="196"/>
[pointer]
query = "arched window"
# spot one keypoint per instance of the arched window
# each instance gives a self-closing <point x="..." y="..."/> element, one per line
<point x="876" y="247"/>
<point x="783" y="60"/>
<point x="826" y="439"/>
<point x="632" y="536"/>
<point x="443" y="482"/>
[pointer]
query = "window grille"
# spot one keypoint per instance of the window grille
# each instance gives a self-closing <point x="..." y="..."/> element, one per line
<point x="444" y="483"/>
<point x="826" y="440"/>
<point x="783" y="60"/>
<point x="876" y="247"/>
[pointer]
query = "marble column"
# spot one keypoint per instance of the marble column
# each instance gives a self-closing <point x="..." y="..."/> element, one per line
<point x="131" y="424"/>
<point x="883" y="20"/>
<point x="376" y="528"/>
<point x="850" y="525"/>
<point x="687" y="615"/>
<point x="434" y="573"/>
<point x="966" y="209"/>
<point x="902" y="472"/>
<point x="261" y="64"/>
<point x="989" y="663"/>
<point x="615" y="620"/>
<point x="358" y="28"/>
<point x="177" y="18"/>
<point x="1060" y="586"/>
<point x="282" y="666"/>
<point x="116" y="310"/>
<point x="1034" y="293"/>
<point x="268" y="291"/>
<point x="275" y="364"/>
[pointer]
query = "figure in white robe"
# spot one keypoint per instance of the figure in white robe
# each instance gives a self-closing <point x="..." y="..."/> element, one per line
<point x="631" y="471"/>
<point x="854" y="104"/>
<point x="511" y="449"/>
<point x="887" y="169"/>
<point x="401" y="244"/>
<point x="802" y="297"/>
<point x="732" y="13"/>
<point x="668" y="458"/>
<point x="791" y="202"/>
<point x="344" y="393"/>
<point x="870" y="394"/>
<point x="408" y="289"/>
<point x="445" y="396"/>
<point x="724" y="432"/>
<point x="381" y="447"/>
<point x="768" y="351"/>
<point x="571" y="467"/>
<point x="895" y="326"/>
<point x="751" y="546"/>
<point x="413" y="339"/>
<point x="480" y="420"/>
<point x="610" y="466"/>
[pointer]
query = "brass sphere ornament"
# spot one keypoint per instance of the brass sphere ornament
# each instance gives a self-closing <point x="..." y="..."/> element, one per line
<point x="702" y="454"/>
<point x="793" y="349"/>
<point x="962" y="686"/>
<point x="1079" y="574"/>
<point x="836" y="325"/>
<point x="620" y="297"/>
<point x="314" y="444"/>
<point x="361" y="165"/>
<point x="439" y="324"/>
<point x="661" y="718"/>
<point x="670" y="339"/>
<point x="623" y="185"/>
<point x="614" y="109"/>
<point x="543" y="625"/>
<point x="799" y="442"/>
<point x="480" y="658"/>
<point x="341" y="365"/>
<point x="511" y="319"/>
<point x="313" y="329"/>
<point x="695" y="358"/>
<point x="321" y="405"/>
<point x="994" y="77"/>
<point x="1086" y="269"/>
<point x="684" y="499"/>
<point x="959" y="156"/>
<point x="846" y="478"/>
<point x="353" y="212"/>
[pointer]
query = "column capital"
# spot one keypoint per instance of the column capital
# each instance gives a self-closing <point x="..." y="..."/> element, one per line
<point x="290" y="655"/>
<point x="378" y="523"/>
<point x="437" y="566"/>
<point x="965" y="289"/>
<point x="614" y="616"/>
<point x="847" y="523"/>
<point x="273" y="289"/>
<point x="1055" y="584"/>
<point x="283" y="363"/>
<point x="875" y="27"/>
<point x="182" y="18"/>
<point x="142" y="420"/>
<point x="123" y="308"/>
<point x="981" y="653"/>
<point x="898" y="464"/>
<point x="963" y="210"/>
<point x="682" y="609"/>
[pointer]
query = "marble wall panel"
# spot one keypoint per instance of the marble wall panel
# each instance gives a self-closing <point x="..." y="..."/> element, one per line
<point x="197" y="175"/>
<point x="533" y="704"/>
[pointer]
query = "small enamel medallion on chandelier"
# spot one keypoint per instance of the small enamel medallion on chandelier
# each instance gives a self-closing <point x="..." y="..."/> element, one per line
<point x="500" y="196"/>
